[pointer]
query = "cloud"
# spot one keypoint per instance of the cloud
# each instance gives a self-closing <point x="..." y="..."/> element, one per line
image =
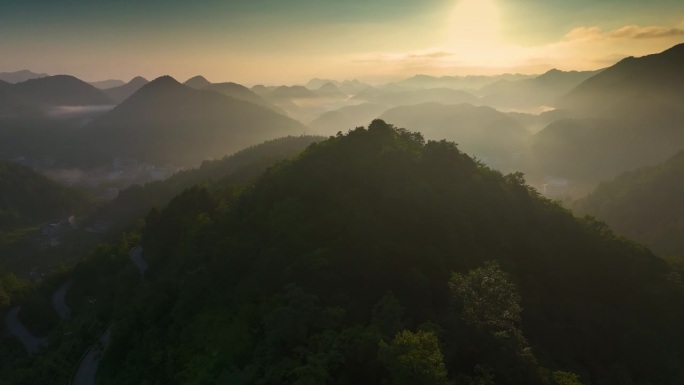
<point x="629" y="32"/>
<point x="430" y="55"/>
<point x="636" y="32"/>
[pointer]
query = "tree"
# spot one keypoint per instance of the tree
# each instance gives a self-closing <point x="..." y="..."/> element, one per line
<point x="488" y="300"/>
<point x="414" y="359"/>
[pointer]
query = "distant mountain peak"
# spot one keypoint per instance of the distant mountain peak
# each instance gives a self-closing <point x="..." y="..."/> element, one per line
<point x="138" y="79"/>
<point x="166" y="79"/>
<point x="328" y="87"/>
<point x="164" y="83"/>
<point x="198" y="82"/>
<point x="121" y="93"/>
<point x="60" y="90"/>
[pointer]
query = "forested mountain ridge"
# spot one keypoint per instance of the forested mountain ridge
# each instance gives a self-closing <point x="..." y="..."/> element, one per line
<point x="644" y="205"/>
<point x="362" y="261"/>
<point x="240" y="168"/>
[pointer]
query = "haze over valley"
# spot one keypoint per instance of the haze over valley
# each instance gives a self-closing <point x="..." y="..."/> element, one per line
<point x="391" y="192"/>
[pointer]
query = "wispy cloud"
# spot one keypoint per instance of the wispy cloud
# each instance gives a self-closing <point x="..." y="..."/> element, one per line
<point x="429" y="55"/>
<point x="635" y="32"/>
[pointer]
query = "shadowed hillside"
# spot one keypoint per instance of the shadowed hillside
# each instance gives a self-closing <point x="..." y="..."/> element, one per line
<point x="28" y="198"/>
<point x="644" y="205"/>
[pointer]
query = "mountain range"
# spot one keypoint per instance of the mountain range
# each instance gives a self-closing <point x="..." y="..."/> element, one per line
<point x="20" y="76"/>
<point x="483" y="132"/>
<point x="540" y="91"/>
<point x="167" y="122"/>
<point x="124" y="91"/>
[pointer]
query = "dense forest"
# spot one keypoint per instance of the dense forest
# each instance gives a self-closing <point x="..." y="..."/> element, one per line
<point x="242" y="167"/>
<point x="373" y="257"/>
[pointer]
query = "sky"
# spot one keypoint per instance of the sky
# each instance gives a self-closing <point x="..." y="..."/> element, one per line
<point x="291" y="41"/>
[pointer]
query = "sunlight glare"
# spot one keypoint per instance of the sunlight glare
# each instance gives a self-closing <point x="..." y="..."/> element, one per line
<point x="473" y="31"/>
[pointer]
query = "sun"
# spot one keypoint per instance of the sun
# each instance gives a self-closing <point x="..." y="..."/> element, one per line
<point x="473" y="30"/>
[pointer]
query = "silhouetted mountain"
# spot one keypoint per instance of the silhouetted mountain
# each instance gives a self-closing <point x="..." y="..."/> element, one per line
<point x="644" y="205"/>
<point x="60" y="90"/>
<point x="543" y="90"/>
<point x="28" y="198"/>
<point x="346" y="118"/>
<point x="20" y="76"/>
<point x="482" y="131"/>
<point x="198" y="82"/>
<point x="105" y="84"/>
<point x="167" y="122"/>
<point x="657" y="77"/>
<point x="121" y="93"/>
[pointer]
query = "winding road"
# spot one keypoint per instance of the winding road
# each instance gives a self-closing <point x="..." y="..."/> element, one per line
<point x="136" y="256"/>
<point x="31" y="343"/>
<point x="59" y="302"/>
<point x="87" y="369"/>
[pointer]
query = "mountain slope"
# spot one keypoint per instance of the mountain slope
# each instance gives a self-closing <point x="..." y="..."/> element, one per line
<point x="121" y="93"/>
<point x="635" y="113"/>
<point x="167" y="122"/>
<point x="243" y="166"/>
<point x="373" y="258"/>
<point x="644" y="205"/>
<point x="28" y="198"/>
<point x="657" y="76"/>
<point x="60" y="90"/>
